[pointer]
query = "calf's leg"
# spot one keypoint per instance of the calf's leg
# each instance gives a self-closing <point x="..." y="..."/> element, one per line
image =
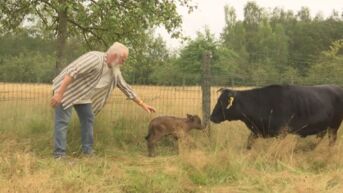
<point x="151" y="142"/>
<point x="151" y="148"/>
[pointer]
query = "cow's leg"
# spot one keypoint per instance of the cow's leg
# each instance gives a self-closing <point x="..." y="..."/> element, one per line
<point x="251" y="140"/>
<point x="332" y="136"/>
<point x="332" y="131"/>
<point x="283" y="133"/>
<point x="320" y="136"/>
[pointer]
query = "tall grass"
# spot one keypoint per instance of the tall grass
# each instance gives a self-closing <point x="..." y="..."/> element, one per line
<point x="219" y="164"/>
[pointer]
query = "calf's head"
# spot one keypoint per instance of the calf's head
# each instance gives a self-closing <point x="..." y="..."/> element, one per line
<point x="194" y="122"/>
<point x="221" y="111"/>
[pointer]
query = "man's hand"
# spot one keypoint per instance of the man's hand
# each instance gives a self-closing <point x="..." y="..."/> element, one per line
<point x="148" y="108"/>
<point x="56" y="99"/>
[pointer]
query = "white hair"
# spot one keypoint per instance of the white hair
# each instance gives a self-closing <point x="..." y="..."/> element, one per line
<point x="118" y="48"/>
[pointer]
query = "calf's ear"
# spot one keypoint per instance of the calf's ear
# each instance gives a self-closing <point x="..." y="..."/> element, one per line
<point x="190" y="117"/>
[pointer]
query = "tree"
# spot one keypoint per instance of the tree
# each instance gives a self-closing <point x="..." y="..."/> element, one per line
<point x="233" y="55"/>
<point x="252" y="19"/>
<point x="329" y="69"/>
<point x="189" y="64"/>
<point x="27" y="66"/>
<point x="99" y="22"/>
<point x="148" y="58"/>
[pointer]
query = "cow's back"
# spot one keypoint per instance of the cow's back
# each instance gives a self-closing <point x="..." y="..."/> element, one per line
<point x="314" y="108"/>
<point x="304" y="110"/>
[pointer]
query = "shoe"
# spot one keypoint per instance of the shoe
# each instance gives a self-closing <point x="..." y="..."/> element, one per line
<point x="88" y="154"/>
<point x="59" y="155"/>
<point x="88" y="151"/>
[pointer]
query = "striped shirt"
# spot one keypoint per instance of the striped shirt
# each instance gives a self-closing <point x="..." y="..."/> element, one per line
<point x="86" y="72"/>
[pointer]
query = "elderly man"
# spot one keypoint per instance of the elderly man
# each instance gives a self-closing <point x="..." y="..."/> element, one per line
<point x="86" y="84"/>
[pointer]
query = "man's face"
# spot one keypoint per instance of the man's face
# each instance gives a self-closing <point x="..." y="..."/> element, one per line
<point x="119" y="59"/>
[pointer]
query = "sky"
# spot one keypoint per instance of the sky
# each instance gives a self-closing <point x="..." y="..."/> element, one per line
<point x="210" y="13"/>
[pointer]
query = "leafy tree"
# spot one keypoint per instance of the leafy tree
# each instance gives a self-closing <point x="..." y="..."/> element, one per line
<point x="233" y="35"/>
<point x="189" y="63"/>
<point x="233" y="53"/>
<point x="98" y="22"/>
<point x="280" y="48"/>
<point x="280" y="42"/>
<point x="252" y="18"/>
<point x="330" y="68"/>
<point x="148" y="58"/>
<point x="290" y="76"/>
<point x="15" y="43"/>
<point x="27" y="67"/>
<point x="263" y="74"/>
<point x="168" y="74"/>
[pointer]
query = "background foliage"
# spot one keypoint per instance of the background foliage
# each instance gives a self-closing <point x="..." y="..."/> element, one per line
<point x="265" y="47"/>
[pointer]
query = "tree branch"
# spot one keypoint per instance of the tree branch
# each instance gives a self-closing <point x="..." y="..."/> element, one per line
<point x="86" y="29"/>
<point x="49" y="4"/>
<point x="41" y="16"/>
<point x="87" y="42"/>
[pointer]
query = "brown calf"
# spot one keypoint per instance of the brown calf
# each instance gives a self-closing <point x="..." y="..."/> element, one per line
<point x="168" y="125"/>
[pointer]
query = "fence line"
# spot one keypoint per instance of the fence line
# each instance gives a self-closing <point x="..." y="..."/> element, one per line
<point x="18" y="99"/>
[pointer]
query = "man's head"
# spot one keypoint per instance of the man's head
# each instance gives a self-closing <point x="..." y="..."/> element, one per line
<point x="117" y="54"/>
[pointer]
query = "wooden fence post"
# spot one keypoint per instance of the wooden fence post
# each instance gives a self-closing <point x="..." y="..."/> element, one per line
<point x="206" y="89"/>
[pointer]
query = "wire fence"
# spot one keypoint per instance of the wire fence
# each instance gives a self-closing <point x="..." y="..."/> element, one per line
<point x="22" y="100"/>
<point x="18" y="100"/>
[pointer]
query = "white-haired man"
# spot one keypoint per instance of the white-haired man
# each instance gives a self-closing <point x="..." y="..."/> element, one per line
<point x="86" y="84"/>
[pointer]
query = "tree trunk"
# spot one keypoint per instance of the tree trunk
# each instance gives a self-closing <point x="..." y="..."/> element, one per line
<point x="61" y="36"/>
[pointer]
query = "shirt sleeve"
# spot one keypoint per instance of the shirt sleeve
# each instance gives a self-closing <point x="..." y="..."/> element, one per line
<point x="83" y="65"/>
<point x="125" y="88"/>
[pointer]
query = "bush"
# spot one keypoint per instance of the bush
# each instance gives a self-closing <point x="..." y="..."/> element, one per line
<point x="27" y="67"/>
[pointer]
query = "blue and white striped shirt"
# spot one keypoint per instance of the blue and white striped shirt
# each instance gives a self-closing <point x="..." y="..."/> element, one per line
<point x="86" y="72"/>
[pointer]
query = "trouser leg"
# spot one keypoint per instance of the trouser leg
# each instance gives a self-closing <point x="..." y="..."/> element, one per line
<point x="86" y="117"/>
<point x="62" y="118"/>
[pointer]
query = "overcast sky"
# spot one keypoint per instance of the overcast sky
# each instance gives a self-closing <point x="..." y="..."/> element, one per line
<point x="210" y="13"/>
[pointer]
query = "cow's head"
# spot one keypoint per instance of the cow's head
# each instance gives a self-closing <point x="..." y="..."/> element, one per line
<point x="221" y="111"/>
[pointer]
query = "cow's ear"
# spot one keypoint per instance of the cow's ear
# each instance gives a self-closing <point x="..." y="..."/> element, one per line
<point x="220" y="90"/>
<point x="228" y="91"/>
<point x="223" y="89"/>
<point x="230" y="102"/>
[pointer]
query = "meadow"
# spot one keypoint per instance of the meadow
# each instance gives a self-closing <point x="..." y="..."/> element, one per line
<point x="215" y="162"/>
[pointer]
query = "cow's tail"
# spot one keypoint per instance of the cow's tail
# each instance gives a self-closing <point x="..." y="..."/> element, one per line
<point x="147" y="137"/>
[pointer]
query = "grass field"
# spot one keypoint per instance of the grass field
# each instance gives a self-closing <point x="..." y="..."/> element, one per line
<point x="215" y="164"/>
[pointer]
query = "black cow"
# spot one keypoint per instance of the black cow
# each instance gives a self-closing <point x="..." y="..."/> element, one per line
<point x="277" y="109"/>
